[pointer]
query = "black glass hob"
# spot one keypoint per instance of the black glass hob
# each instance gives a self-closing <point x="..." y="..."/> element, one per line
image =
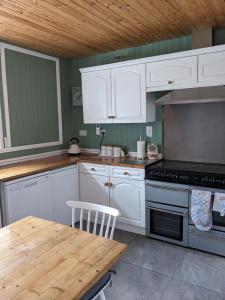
<point x="192" y="173"/>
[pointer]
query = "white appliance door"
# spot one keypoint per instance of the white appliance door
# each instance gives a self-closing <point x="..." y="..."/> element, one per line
<point x="29" y="197"/>
<point x="65" y="188"/>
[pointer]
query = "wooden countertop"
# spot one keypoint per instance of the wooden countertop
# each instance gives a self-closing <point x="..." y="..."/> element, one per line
<point x="41" y="259"/>
<point x="14" y="171"/>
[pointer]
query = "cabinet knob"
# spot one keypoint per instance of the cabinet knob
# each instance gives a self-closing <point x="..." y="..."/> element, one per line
<point x="126" y="173"/>
<point x="93" y="169"/>
<point x="170" y="81"/>
<point x="109" y="184"/>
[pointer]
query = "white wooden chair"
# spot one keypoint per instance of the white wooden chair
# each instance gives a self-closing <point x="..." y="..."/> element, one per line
<point x="107" y="214"/>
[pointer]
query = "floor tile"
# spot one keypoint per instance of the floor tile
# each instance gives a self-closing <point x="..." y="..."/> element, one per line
<point x="136" y="283"/>
<point x="203" y="269"/>
<point x="181" y="290"/>
<point x="155" y="255"/>
<point x="124" y="236"/>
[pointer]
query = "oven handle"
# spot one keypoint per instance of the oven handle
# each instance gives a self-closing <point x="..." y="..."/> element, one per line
<point x="182" y="214"/>
<point x="167" y="187"/>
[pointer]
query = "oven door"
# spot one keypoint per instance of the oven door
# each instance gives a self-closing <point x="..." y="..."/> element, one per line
<point x="217" y="219"/>
<point x="167" y="223"/>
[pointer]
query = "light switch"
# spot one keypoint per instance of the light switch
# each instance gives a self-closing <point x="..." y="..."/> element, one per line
<point x="149" y="131"/>
<point x="82" y="132"/>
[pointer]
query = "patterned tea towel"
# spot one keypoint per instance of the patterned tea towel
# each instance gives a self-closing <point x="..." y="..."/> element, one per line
<point x="201" y="210"/>
<point x="219" y="203"/>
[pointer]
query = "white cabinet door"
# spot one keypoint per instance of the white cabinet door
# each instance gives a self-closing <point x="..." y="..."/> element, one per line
<point x="96" y="88"/>
<point x="128" y="196"/>
<point x="93" y="189"/>
<point x="211" y="68"/>
<point x="172" y="73"/>
<point x="128" y="94"/>
<point x="65" y="183"/>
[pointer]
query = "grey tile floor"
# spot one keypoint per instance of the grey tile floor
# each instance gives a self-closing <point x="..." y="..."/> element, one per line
<point x="152" y="270"/>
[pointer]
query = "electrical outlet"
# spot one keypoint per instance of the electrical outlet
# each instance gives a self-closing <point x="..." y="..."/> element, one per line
<point x="149" y="131"/>
<point x="82" y="132"/>
<point x="103" y="132"/>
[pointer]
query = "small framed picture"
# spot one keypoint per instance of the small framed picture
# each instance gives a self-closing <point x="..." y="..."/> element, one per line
<point x="77" y="96"/>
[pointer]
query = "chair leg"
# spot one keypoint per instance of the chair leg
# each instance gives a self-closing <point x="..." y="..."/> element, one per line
<point x="102" y="296"/>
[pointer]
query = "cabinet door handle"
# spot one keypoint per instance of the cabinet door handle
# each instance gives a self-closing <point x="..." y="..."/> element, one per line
<point x="109" y="184"/>
<point x="93" y="169"/>
<point x="111" y="117"/>
<point x="170" y="81"/>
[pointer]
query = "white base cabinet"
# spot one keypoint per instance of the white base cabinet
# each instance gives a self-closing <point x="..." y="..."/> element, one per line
<point x="93" y="189"/>
<point x="65" y="184"/>
<point x="128" y="197"/>
<point x="123" y="189"/>
<point x="43" y="195"/>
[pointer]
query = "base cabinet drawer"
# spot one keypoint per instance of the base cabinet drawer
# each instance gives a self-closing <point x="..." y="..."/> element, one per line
<point x="94" y="169"/>
<point x="128" y="173"/>
<point x="211" y="241"/>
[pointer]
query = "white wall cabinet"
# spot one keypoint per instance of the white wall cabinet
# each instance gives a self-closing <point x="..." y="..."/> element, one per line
<point x="65" y="184"/>
<point x="128" y="197"/>
<point x="93" y="189"/>
<point x="211" y="68"/>
<point x="128" y="94"/>
<point x="126" y="192"/>
<point x="96" y="89"/>
<point x="172" y="73"/>
<point x="117" y="95"/>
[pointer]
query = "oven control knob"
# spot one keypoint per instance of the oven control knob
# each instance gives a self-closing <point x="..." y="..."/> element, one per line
<point x="212" y="180"/>
<point x="205" y="179"/>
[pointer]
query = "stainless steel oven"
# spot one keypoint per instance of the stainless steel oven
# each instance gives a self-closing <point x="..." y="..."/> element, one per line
<point x="167" y="212"/>
<point x="167" y="223"/>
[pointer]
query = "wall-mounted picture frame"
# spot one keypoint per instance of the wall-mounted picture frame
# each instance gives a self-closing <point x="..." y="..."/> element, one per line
<point x="77" y="96"/>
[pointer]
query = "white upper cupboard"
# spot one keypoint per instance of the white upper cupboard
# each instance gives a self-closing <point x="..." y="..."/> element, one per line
<point x="96" y="88"/>
<point x="128" y="94"/>
<point x="116" y="95"/>
<point x="172" y="73"/>
<point x="211" y="68"/>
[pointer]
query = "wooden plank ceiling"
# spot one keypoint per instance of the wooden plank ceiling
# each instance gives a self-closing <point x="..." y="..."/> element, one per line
<point x="77" y="28"/>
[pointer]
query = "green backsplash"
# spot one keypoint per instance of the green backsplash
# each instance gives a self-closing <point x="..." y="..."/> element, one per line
<point x="123" y="134"/>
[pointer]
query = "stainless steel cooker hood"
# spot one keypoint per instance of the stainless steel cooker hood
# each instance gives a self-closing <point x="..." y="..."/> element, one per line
<point x="194" y="95"/>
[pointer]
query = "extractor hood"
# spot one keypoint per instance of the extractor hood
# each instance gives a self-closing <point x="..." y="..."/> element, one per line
<point x="194" y="95"/>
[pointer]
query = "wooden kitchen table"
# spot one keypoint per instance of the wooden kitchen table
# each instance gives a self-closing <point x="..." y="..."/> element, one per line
<point x="40" y="259"/>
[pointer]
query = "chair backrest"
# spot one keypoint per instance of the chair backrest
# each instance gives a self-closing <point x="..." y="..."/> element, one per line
<point x="97" y="209"/>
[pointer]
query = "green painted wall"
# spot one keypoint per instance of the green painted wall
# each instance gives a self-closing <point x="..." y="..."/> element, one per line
<point x="66" y="109"/>
<point x="123" y="134"/>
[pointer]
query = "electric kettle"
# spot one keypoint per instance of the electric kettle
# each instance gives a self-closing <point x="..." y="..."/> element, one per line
<point x="74" y="148"/>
